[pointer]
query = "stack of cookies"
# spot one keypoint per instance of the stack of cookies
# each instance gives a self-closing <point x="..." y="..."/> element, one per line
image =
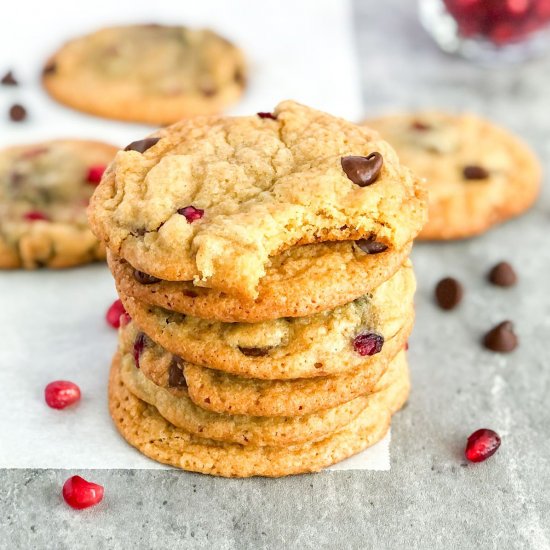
<point x="263" y="263"/>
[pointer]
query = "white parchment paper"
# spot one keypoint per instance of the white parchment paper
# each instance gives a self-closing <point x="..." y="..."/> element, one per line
<point x="53" y="323"/>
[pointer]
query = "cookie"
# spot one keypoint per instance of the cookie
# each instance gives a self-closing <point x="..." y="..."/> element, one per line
<point x="212" y="199"/>
<point x="220" y="392"/>
<point x="301" y="281"/>
<point x="44" y="191"/>
<point x="155" y="74"/>
<point x="478" y="175"/>
<point x="144" y="428"/>
<point x="180" y="411"/>
<point x="330" y="342"/>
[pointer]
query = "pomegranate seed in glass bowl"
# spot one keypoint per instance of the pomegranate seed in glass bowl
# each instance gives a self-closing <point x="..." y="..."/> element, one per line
<point x="489" y="30"/>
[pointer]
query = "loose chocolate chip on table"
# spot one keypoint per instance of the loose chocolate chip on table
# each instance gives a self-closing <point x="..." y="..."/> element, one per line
<point x="18" y="113"/>
<point x="501" y="338"/>
<point x="363" y="171"/>
<point x="142" y="145"/>
<point x="370" y="246"/>
<point x="176" y="379"/>
<point x="267" y="115"/>
<point x="448" y="293"/>
<point x="8" y="79"/>
<point x="475" y="173"/>
<point x="254" y="352"/>
<point x="144" y="278"/>
<point x="503" y="274"/>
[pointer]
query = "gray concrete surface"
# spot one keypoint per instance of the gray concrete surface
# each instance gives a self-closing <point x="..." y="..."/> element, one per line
<point x="430" y="498"/>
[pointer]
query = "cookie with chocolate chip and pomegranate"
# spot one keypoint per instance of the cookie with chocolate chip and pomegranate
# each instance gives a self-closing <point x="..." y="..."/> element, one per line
<point x="145" y="428"/>
<point x="478" y="175"/>
<point x="147" y="73"/>
<point x="326" y="343"/>
<point x="301" y="281"/>
<point x="44" y="192"/>
<point x="213" y="199"/>
<point x="225" y="393"/>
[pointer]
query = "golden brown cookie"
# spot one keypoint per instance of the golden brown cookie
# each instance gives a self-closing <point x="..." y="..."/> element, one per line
<point x="144" y="428"/>
<point x="299" y="282"/>
<point x="147" y="73"/>
<point x="330" y="342"/>
<point x="212" y="199"/>
<point x="224" y="393"/>
<point x="478" y="175"/>
<point x="246" y="430"/>
<point x="44" y="191"/>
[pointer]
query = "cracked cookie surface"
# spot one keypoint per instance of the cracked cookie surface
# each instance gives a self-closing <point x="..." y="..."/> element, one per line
<point x="144" y="428"/>
<point x="302" y="347"/>
<point x="477" y="174"/>
<point x="44" y="191"/>
<point x="147" y="73"/>
<point x="212" y="199"/>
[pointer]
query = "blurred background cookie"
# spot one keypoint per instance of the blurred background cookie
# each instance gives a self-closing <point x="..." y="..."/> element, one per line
<point x="478" y="175"/>
<point x="147" y="73"/>
<point x="44" y="191"/>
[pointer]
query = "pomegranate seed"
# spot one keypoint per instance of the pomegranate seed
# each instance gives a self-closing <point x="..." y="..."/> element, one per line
<point x="114" y="313"/>
<point x="95" y="173"/>
<point x="79" y="493"/>
<point x="191" y="213"/>
<point x="139" y="344"/>
<point x="125" y="319"/>
<point x="368" y="343"/>
<point x="61" y="394"/>
<point x="481" y="445"/>
<point x="35" y="215"/>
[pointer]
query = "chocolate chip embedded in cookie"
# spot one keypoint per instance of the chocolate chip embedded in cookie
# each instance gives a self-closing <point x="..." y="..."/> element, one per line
<point x="258" y="187"/>
<point x="44" y="192"/>
<point x="318" y="345"/>
<point x="478" y="175"/>
<point x="148" y="73"/>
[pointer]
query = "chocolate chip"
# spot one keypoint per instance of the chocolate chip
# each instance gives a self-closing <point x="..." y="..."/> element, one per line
<point x="142" y="145"/>
<point x="448" y="293"/>
<point x="176" y="379"/>
<point x="18" y="113"/>
<point x="144" y="278"/>
<point x="239" y="77"/>
<point x="501" y="338"/>
<point x="420" y="126"/>
<point x="503" y="274"/>
<point x="254" y="352"/>
<point x="9" y="80"/>
<point x="475" y="173"/>
<point x="363" y="171"/>
<point x="139" y="345"/>
<point x="370" y="246"/>
<point x="50" y="68"/>
<point x="267" y="115"/>
<point x="208" y="91"/>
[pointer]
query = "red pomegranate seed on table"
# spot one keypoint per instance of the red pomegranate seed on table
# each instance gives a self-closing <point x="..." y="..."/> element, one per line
<point x="61" y="394"/>
<point x="79" y="493"/>
<point x="481" y="445"/>
<point x="114" y="313"/>
<point x="95" y="173"/>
